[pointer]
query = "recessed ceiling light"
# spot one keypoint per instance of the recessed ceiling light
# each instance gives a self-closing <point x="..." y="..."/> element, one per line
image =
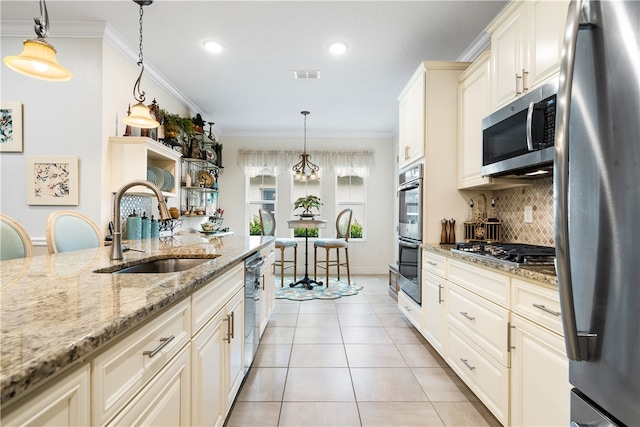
<point x="213" y="46"/>
<point x="337" y="48"/>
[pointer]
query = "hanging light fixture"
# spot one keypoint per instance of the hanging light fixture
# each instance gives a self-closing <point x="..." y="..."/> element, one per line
<point x="38" y="58"/>
<point x="140" y="116"/>
<point x="300" y="169"/>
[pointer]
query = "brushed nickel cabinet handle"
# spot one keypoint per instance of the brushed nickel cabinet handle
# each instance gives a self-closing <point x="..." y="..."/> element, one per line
<point x="433" y="264"/>
<point x="233" y="325"/>
<point x="440" y="300"/>
<point x="546" y="310"/>
<point x="228" y="337"/>
<point x="525" y="73"/>
<point x="465" y="314"/>
<point x="518" y="78"/>
<point x="466" y="363"/>
<point x="509" y="346"/>
<point x="163" y="344"/>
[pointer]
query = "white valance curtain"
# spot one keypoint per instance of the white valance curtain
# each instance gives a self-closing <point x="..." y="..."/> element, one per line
<point x="276" y="162"/>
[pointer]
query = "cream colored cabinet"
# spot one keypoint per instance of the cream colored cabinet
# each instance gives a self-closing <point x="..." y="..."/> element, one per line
<point x="539" y="366"/>
<point x="434" y="285"/>
<point x="526" y="42"/>
<point x="411" y="120"/>
<point x="411" y="310"/>
<point x="165" y="401"/>
<point x="124" y="369"/>
<point x="66" y="402"/>
<point x="218" y="347"/>
<point x="131" y="156"/>
<point x="268" y="287"/>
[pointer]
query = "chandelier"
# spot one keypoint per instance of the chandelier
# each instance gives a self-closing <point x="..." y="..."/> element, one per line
<point x="139" y="115"/>
<point x="38" y="59"/>
<point x="305" y="170"/>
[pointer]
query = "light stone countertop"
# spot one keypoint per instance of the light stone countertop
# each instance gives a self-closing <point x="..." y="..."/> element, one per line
<point x="543" y="274"/>
<point x="55" y="310"/>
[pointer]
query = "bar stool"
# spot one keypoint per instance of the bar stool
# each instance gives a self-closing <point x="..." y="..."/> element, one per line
<point x="268" y="226"/>
<point x="14" y="240"/>
<point x="343" y="229"/>
<point x="71" y="231"/>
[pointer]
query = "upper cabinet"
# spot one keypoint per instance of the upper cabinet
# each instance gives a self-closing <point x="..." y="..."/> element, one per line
<point x="526" y="42"/>
<point x="142" y="158"/>
<point x="411" y="119"/>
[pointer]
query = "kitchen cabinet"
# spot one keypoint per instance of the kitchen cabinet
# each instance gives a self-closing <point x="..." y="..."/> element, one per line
<point x="411" y="310"/>
<point x="539" y="365"/>
<point x="268" y="287"/>
<point x="411" y="120"/>
<point x="474" y="104"/>
<point x="65" y="402"/>
<point x="218" y="347"/>
<point x="526" y="42"/>
<point x="131" y="156"/>
<point x="434" y="285"/>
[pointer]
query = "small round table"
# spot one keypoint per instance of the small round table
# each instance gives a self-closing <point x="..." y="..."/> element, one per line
<point x="306" y="223"/>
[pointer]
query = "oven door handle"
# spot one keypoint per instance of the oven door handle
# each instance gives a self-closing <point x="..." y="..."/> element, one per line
<point x="409" y="186"/>
<point x="408" y="244"/>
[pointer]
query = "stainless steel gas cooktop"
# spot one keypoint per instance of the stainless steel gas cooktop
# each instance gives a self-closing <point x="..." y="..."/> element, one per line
<point x="515" y="254"/>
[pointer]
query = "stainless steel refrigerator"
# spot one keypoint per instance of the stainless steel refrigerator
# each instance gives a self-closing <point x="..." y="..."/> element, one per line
<point x="596" y="187"/>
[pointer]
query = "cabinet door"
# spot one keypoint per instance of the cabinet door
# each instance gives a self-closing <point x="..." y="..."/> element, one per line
<point x="208" y="352"/>
<point x="65" y="402"/>
<point x="267" y="293"/>
<point x="474" y="105"/>
<point x="546" y="20"/>
<point x="507" y="60"/>
<point x="539" y="376"/>
<point x="165" y="401"/>
<point x="411" y="310"/>
<point x="412" y="110"/>
<point x="433" y="292"/>
<point x="235" y="351"/>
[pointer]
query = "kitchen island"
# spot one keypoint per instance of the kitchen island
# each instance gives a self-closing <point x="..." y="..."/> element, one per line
<point x="57" y="311"/>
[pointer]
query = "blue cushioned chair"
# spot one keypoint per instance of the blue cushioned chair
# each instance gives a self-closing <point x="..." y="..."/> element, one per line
<point x="343" y="229"/>
<point x="70" y="231"/>
<point x="14" y="240"/>
<point x="268" y="226"/>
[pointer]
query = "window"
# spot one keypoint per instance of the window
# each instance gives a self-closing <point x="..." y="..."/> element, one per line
<point x="351" y="193"/>
<point x="261" y="195"/>
<point x="302" y="189"/>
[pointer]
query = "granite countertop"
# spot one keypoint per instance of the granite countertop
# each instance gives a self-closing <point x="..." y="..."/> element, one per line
<point x="543" y="274"/>
<point x="56" y="310"/>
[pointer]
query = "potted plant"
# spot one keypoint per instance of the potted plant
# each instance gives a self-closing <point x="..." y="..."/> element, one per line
<point x="307" y="203"/>
<point x="174" y="124"/>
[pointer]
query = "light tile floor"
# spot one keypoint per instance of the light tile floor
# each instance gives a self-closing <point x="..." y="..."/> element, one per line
<point x="354" y="361"/>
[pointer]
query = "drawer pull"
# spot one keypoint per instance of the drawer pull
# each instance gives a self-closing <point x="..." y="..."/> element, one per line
<point x="432" y="264"/>
<point x="546" y="310"/>
<point x="440" y="300"/>
<point x="233" y="325"/>
<point x="163" y="344"/>
<point x="228" y="337"/>
<point x="465" y="314"/>
<point x="466" y="363"/>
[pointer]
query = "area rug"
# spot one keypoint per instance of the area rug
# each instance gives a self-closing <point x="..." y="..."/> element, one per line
<point x="336" y="289"/>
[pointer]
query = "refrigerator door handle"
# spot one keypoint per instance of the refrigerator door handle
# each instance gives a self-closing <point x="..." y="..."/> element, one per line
<point x="561" y="184"/>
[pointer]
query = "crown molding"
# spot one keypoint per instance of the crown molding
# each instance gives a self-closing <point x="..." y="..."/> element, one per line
<point x="477" y="46"/>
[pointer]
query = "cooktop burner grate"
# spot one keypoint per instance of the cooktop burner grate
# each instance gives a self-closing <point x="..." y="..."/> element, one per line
<point x="517" y="254"/>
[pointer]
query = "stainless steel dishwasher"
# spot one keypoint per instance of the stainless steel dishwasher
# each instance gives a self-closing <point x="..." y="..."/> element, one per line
<point x="252" y="266"/>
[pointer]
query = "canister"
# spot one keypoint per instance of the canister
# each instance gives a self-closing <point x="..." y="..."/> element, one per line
<point x="146" y="226"/>
<point x="134" y="227"/>
<point x="155" y="227"/>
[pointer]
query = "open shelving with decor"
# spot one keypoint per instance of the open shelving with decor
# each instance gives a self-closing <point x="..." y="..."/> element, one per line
<point x="199" y="195"/>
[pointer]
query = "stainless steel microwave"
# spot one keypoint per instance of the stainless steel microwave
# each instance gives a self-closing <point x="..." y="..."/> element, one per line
<point x="518" y="139"/>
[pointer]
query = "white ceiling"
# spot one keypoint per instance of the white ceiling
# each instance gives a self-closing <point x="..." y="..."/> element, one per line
<point x="249" y="89"/>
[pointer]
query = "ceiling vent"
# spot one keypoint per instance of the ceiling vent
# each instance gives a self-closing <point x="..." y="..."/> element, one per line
<point x="306" y="74"/>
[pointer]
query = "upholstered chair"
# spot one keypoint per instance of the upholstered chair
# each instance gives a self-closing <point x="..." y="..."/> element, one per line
<point x="14" y="240"/>
<point x="268" y="226"/>
<point x="343" y="228"/>
<point x="71" y="231"/>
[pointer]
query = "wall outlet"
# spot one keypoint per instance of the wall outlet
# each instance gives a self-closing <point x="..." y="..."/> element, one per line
<point x="528" y="214"/>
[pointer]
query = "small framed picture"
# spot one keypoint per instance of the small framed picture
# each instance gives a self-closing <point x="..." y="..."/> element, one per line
<point x="52" y="180"/>
<point x="11" y="127"/>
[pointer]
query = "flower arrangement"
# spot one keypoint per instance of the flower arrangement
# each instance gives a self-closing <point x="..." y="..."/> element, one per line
<point x="307" y="203"/>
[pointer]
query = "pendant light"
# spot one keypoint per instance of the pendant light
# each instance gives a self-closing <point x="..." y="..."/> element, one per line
<point x="139" y="115"/>
<point x="38" y="58"/>
<point x="300" y="169"/>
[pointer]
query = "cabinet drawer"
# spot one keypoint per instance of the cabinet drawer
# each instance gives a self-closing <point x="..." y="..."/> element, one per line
<point x="488" y="380"/>
<point x="434" y="263"/>
<point x="410" y="309"/>
<point x="485" y="322"/>
<point x="123" y="369"/>
<point x="536" y="303"/>
<point x="491" y="285"/>
<point x="206" y="302"/>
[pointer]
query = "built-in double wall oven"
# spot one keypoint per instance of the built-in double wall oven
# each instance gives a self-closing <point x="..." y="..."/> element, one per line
<point x="410" y="231"/>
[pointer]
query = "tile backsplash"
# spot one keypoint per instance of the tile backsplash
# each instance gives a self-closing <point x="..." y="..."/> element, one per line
<point x="510" y="205"/>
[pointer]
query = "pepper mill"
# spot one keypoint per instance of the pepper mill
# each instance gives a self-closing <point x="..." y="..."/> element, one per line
<point x="443" y="234"/>
<point x="452" y="231"/>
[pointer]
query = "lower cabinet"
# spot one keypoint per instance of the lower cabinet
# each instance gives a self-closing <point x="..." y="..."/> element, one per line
<point x="433" y="299"/>
<point x="411" y="310"/>
<point x="62" y="403"/>
<point x="165" y="400"/>
<point x="268" y="288"/>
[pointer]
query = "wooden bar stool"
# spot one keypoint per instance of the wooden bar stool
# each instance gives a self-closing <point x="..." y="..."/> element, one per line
<point x="343" y="229"/>
<point x="268" y="226"/>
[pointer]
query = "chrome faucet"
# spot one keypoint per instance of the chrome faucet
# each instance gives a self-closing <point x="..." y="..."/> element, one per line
<point x="116" y="250"/>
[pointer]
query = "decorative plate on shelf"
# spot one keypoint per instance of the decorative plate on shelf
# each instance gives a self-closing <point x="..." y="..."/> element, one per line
<point x="211" y="155"/>
<point x="205" y="178"/>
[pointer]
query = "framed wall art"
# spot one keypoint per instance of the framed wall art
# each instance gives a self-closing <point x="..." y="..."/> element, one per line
<point x="11" y="127"/>
<point x="52" y="180"/>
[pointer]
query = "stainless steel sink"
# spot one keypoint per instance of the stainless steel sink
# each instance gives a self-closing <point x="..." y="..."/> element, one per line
<point x="165" y="265"/>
